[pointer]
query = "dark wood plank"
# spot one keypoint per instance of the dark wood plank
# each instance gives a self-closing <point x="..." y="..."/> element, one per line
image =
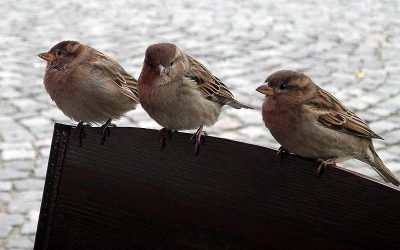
<point x="127" y="194"/>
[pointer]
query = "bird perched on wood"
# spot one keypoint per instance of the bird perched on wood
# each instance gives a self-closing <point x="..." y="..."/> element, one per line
<point x="87" y="85"/>
<point x="179" y="93"/>
<point x="311" y="123"/>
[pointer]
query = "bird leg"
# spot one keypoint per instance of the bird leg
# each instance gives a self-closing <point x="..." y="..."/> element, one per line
<point x="322" y="164"/>
<point x="282" y="153"/>
<point x="198" y="139"/>
<point x="105" y="130"/>
<point x="80" y="132"/>
<point x="164" y="135"/>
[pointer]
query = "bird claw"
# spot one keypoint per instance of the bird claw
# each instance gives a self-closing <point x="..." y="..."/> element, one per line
<point x="198" y="139"/>
<point x="105" y="130"/>
<point x="80" y="132"/>
<point x="164" y="135"/>
<point x="282" y="154"/>
<point x="322" y="164"/>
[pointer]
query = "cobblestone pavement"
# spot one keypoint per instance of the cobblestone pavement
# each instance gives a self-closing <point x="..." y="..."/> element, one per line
<point x="239" y="41"/>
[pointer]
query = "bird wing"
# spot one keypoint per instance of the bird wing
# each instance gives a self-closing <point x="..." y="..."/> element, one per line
<point x="126" y="83"/>
<point x="335" y="116"/>
<point x="210" y="86"/>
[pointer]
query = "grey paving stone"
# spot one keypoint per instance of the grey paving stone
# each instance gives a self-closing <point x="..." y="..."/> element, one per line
<point x="393" y="165"/>
<point x="381" y="111"/>
<point x="10" y="93"/>
<point x="11" y="219"/>
<point x="10" y="174"/>
<point x="5" y="230"/>
<point x="17" y="134"/>
<point x="6" y="108"/>
<point x="239" y="41"/>
<point x="22" y="206"/>
<point x="33" y="216"/>
<point x="384" y="125"/>
<point x="247" y="116"/>
<point x="393" y="138"/>
<point x="5" y="198"/>
<point x="387" y="155"/>
<point x="20" y="242"/>
<point x="252" y="132"/>
<point x="29" y="228"/>
<point x="54" y="114"/>
<point x="5" y="121"/>
<point x="22" y="165"/>
<point x="26" y="104"/>
<point x="41" y="163"/>
<point x="394" y="149"/>
<point x="29" y="184"/>
<point x="5" y="186"/>
<point x="36" y="122"/>
<point x="29" y="195"/>
<point x="228" y="123"/>
<point x="17" y="151"/>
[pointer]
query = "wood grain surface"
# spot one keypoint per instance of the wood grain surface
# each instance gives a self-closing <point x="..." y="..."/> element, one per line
<point x="128" y="194"/>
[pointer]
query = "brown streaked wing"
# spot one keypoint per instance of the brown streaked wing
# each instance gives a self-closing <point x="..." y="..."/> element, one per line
<point x="211" y="87"/>
<point x="119" y="76"/>
<point x="336" y="116"/>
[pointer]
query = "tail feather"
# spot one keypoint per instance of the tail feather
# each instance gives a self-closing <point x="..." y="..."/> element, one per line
<point x="381" y="169"/>
<point x="237" y="105"/>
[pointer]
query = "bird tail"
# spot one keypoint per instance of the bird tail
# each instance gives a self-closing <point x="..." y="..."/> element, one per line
<point x="380" y="167"/>
<point x="237" y="105"/>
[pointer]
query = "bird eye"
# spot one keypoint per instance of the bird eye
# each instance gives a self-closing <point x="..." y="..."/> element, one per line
<point x="172" y="63"/>
<point x="283" y="86"/>
<point x="60" y="52"/>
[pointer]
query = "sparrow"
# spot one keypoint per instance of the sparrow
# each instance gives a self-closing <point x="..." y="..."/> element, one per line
<point x="179" y="93"/>
<point x="311" y="123"/>
<point x="87" y="85"/>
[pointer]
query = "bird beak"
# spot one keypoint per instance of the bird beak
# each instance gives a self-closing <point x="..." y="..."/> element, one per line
<point x="264" y="89"/>
<point x="161" y="69"/>
<point x="49" y="57"/>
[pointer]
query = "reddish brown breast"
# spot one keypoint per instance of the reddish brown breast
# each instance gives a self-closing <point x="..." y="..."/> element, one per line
<point x="280" y="119"/>
<point x="55" y="82"/>
<point x="147" y="76"/>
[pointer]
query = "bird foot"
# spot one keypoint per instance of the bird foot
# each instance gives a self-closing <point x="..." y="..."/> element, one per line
<point x="282" y="154"/>
<point x="105" y="130"/>
<point x="164" y="135"/>
<point x="80" y="132"/>
<point x="198" y="139"/>
<point x="322" y="164"/>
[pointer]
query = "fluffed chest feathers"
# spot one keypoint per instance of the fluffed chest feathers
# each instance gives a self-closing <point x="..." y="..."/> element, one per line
<point x="56" y="83"/>
<point x="281" y="121"/>
<point x="181" y="107"/>
<point x="158" y="97"/>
